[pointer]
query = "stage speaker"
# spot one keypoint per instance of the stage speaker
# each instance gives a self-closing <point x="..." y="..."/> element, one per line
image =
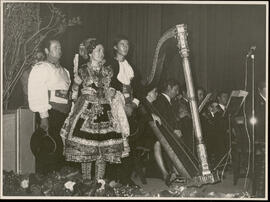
<point x="18" y="126"/>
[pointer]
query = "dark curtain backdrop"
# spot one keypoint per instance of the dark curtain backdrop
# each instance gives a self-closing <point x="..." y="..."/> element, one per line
<point x="219" y="37"/>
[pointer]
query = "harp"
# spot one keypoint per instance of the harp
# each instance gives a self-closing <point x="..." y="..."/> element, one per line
<point x="194" y="168"/>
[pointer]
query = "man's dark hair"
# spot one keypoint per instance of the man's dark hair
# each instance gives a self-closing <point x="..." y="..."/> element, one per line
<point x="220" y="92"/>
<point x="183" y="88"/>
<point x="116" y="40"/>
<point x="47" y="43"/>
<point x="201" y="88"/>
<point x="261" y="85"/>
<point x="166" y="83"/>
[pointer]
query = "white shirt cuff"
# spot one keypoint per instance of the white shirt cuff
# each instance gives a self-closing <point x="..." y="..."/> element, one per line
<point x="44" y="114"/>
<point x="136" y="101"/>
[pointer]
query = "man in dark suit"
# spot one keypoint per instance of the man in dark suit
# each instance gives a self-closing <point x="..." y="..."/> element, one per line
<point x="221" y="125"/>
<point x="182" y="108"/>
<point x="126" y="79"/>
<point x="163" y="104"/>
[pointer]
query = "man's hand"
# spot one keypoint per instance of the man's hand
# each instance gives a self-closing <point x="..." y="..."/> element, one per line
<point x="156" y="119"/>
<point x="178" y="133"/>
<point x="77" y="78"/>
<point x="133" y="105"/>
<point x="183" y="113"/>
<point x="128" y="109"/>
<point x="44" y="124"/>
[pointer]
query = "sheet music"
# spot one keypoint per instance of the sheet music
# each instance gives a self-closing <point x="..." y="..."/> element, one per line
<point x="235" y="101"/>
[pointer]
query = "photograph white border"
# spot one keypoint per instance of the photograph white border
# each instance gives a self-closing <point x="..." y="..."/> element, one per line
<point x="140" y="2"/>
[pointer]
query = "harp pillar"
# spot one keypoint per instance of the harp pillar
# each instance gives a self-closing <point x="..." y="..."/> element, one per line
<point x="184" y="52"/>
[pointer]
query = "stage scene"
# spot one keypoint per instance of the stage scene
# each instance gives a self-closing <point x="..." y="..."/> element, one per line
<point x="134" y="100"/>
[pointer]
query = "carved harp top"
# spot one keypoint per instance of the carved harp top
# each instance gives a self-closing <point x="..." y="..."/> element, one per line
<point x="159" y="56"/>
<point x="182" y="40"/>
<point x="179" y="32"/>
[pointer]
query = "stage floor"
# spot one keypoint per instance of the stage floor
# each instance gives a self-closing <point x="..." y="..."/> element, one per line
<point x="225" y="186"/>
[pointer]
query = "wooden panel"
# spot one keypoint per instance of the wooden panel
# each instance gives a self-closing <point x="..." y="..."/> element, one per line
<point x="25" y="127"/>
<point x="9" y="140"/>
<point x="18" y="126"/>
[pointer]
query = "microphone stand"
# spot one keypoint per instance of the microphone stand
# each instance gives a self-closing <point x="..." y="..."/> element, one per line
<point x="253" y="116"/>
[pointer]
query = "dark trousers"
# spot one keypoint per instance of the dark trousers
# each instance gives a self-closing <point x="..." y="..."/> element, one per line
<point x="122" y="172"/>
<point x="48" y="162"/>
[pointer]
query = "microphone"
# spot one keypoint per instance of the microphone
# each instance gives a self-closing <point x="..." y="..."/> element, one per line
<point x="251" y="51"/>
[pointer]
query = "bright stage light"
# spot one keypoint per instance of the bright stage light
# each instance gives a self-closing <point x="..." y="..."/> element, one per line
<point x="253" y="120"/>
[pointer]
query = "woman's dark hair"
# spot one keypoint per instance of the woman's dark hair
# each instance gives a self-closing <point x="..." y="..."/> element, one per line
<point x="92" y="45"/>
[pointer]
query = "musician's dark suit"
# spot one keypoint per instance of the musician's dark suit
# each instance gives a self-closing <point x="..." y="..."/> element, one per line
<point x="167" y="112"/>
<point x="221" y="134"/>
<point x="135" y="82"/>
<point x="186" y="121"/>
<point x="123" y="171"/>
<point x="166" y="109"/>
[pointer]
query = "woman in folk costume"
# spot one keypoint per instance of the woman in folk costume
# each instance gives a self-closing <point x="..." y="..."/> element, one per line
<point x="97" y="126"/>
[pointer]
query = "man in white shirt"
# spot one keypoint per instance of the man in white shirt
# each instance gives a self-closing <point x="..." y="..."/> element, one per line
<point x="48" y="86"/>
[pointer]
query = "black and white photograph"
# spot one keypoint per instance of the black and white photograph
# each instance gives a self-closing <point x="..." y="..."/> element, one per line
<point x="163" y="100"/>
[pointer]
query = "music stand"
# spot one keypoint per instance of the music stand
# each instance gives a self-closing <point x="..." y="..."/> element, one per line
<point x="235" y="102"/>
<point x="232" y="108"/>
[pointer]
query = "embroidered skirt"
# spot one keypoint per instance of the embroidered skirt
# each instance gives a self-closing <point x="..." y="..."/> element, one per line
<point x="95" y="130"/>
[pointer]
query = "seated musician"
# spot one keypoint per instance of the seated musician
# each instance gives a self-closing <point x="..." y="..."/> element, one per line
<point x="221" y="125"/>
<point x="163" y="103"/>
<point x="208" y="128"/>
<point x="258" y="187"/>
<point x="260" y="106"/>
<point x="181" y="99"/>
<point x="181" y="106"/>
<point x="145" y="142"/>
<point x="200" y="95"/>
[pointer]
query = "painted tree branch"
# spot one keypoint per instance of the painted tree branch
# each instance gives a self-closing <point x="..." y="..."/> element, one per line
<point x="23" y="35"/>
<point x="27" y="56"/>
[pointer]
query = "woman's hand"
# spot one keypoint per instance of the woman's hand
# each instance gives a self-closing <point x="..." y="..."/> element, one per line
<point x="76" y="62"/>
<point x="77" y="79"/>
